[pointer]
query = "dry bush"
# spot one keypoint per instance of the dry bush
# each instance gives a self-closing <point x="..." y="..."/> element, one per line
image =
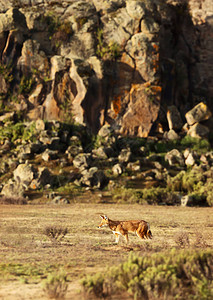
<point x="200" y="241"/>
<point x="13" y="200"/>
<point x="55" y="233"/>
<point x="182" y="240"/>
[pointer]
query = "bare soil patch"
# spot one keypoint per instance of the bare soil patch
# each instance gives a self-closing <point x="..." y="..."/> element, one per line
<point x="27" y="255"/>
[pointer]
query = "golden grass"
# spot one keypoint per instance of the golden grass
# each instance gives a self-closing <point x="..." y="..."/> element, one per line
<point x="27" y="255"/>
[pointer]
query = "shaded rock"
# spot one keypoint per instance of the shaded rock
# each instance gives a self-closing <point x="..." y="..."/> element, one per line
<point x="174" y="119"/>
<point x="37" y="95"/>
<point x="186" y="200"/>
<point x="125" y="156"/>
<point x="24" y="152"/>
<point x="117" y="169"/>
<point x="134" y="166"/>
<point x="198" y="131"/>
<point x="171" y="135"/>
<point x="49" y="155"/>
<point x="94" y="178"/>
<point x="174" y="157"/>
<point x="100" y="153"/>
<point x="32" y="58"/>
<point x="13" y="189"/>
<point x="105" y="131"/>
<point x="73" y="150"/>
<point x="40" y="125"/>
<point x="9" y="116"/>
<point x="3" y="85"/>
<point x="83" y="161"/>
<point x="42" y="178"/>
<point x="60" y="200"/>
<point x="11" y="20"/>
<point x="197" y="114"/>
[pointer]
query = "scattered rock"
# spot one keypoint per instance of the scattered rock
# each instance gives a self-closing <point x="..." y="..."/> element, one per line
<point x="24" y="173"/>
<point x="117" y="169"/>
<point x="125" y="156"/>
<point x="198" y="113"/>
<point x="174" y="157"/>
<point x="48" y="155"/>
<point x="83" y="161"/>
<point x="186" y="200"/>
<point x="13" y="188"/>
<point x="171" y="135"/>
<point x="198" y="131"/>
<point x="94" y="178"/>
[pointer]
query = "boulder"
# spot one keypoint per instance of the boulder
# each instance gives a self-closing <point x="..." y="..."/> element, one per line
<point x="190" y="160"/>
<point x="42" y="177"/>
<point x="13" y="189"/>
<point x="171" y="135"/>
<point x="40" y="125"/>
<point x="186" y="200"/>
<point x="24" y="173"/>
<point x="198" y="131"/>
<point x="134" y="166"/>
<point x="100" y="153"/>
<point x="174" y="118"/>
<point x="94" y="178"/>
<point x="82" y="161"/>
<point x="125" y="156"/>
<point x="198" y="113"/>
<point x="174" y="157"/>
<point x="37" y="95"/>
<point x="48" y="155"/>
<point x="117" y="169"/>
<point x="11" y="20"/>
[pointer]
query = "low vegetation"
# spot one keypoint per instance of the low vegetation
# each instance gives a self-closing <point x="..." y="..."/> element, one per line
<point x="55" y="286"/>
<point x="44" y="266"/>
<point x="55" y="233"/>
<point x="173" y="275"/>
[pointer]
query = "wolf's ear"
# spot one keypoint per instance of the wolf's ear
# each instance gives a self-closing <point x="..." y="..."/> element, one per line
<point x="102" y="217"/>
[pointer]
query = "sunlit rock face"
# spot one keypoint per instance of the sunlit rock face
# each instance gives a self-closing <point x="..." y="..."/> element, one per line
<point x="124" y="63"/>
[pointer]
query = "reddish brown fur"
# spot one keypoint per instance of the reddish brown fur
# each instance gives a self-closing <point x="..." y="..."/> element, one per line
<point x="140" y="227"/>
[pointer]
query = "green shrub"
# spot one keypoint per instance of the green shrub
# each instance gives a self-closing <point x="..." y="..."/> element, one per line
<point x="17" y="131"/>
<point x="96" y="285"/>
<point x="209" y="191"/>
<point x="104" y="51"/>
<point x="26" y="85"/>
<point x="173" y="275"/>
<point x="198" y="145"/>
<point x="124" y="195"/>
<point x="56" y="286"/>
<point x="186" y="181"/>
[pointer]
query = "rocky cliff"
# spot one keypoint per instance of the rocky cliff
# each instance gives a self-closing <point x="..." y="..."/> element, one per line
<point x="125" y="63"/>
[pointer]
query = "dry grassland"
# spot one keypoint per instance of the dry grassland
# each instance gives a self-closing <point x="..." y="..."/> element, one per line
<point x="27" y="255"/>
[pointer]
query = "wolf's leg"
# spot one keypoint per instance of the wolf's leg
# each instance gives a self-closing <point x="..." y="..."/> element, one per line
<point x="117" y="237"/>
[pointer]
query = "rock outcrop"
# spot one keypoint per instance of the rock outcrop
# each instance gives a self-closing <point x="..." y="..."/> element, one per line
<point x="124" y="62"/>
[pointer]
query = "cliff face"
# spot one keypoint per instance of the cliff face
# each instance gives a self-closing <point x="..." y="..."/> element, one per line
<point x="120" y="62"/>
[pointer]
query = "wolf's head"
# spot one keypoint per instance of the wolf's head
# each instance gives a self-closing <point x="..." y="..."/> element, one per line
<point x="104" y="222"/>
